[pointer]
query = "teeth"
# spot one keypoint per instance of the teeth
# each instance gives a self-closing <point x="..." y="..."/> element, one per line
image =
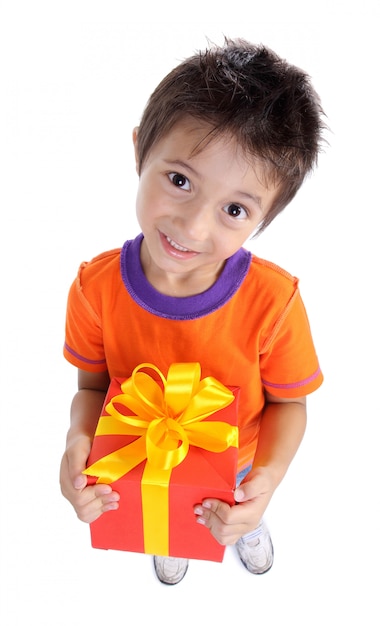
<point x="177" y="246"/>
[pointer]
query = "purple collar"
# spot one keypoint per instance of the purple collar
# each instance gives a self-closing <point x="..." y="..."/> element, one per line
<point x="192" y="307"/>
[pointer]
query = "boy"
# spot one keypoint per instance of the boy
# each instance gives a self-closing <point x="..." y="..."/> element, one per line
<point x="223" y="146"/>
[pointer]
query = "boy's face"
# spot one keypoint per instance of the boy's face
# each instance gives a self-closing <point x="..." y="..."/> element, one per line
<point x="196" y="208"/>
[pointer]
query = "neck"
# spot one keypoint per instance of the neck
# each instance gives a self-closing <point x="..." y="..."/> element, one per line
<point x="180" y="285"/>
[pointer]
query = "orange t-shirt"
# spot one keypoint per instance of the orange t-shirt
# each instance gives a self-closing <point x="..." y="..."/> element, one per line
<point x="250" y="330"/>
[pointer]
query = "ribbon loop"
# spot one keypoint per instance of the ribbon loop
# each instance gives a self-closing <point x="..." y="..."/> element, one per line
<point x="181" y="385"/>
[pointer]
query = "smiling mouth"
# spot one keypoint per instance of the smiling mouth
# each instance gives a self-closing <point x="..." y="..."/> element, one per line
<point x="176" y="245"/>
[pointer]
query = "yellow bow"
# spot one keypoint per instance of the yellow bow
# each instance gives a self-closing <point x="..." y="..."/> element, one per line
<point x="168" y="420"/>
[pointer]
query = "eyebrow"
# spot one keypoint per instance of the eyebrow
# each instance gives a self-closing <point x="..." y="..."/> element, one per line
<point x="255" y="198"/>
<point x="182" y="164"/>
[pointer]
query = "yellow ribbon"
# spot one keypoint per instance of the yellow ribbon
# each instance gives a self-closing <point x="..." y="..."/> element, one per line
<point x="168" y="420"/>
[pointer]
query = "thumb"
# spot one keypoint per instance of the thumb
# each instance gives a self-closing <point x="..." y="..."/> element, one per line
<point x="76" y="459"/>
<point x="79" y="482"/>
<point x="246" y="491"/>
<point x="240" y="495"/>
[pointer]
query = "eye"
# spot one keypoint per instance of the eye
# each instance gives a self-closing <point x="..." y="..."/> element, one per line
<point x="236" y="211"/>
<point x="179" y="180"/>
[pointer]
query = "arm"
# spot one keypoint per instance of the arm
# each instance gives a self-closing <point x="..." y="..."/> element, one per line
<point x="88" y="502"/>
<point x="281" y="432"/>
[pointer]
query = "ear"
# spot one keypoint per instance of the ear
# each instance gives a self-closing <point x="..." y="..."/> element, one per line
<point x="135" y="143"/>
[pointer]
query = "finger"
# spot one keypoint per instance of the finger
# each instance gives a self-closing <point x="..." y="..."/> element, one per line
<point x="90" y="501"/>
<point x="219" y="508"/>
<point x="100" y="495"/>
<point x="239" y="514"/>
<point x="224" y="532"/>
<point x="93" y="501"/>
<point x="212" y="513"/>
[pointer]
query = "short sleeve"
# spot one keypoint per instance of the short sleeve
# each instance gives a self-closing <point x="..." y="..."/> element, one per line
<point x="83" y="334"/>
<point x="288" y="361"/>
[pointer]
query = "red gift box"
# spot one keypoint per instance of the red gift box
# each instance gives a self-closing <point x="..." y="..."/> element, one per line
<point x="158" y="490"/>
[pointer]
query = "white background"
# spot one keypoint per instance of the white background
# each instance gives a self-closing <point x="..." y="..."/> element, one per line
<point x="75" y="76"/>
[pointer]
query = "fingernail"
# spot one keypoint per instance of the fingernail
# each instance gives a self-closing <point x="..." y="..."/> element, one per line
<point x="80" y="482"/>
<point x="111" y="506"/>
<point x="103" y="490"/>
<point x="198" y="510"/>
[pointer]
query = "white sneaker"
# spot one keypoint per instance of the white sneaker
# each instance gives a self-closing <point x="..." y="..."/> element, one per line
<point x="256" y="550"/>
<point x="170" y="570"/>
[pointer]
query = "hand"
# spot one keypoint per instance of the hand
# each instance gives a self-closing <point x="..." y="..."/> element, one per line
<point x="228" y="523"/>
<point x="89" y="502"/>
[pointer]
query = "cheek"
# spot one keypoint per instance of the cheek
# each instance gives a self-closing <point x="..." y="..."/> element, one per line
<point x="143" y="213"/>
<point x="151" y="203"/>
<point x="226" y="244"/>
<point x="139" y="204"/>
<point x="143" y="201"/>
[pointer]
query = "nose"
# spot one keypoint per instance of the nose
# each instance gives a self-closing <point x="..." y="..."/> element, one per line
<point x="197" y="220"/>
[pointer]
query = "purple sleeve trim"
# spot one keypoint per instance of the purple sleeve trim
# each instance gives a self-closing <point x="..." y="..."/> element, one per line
<point x="300" y="383"/>
<point x="82" y="358"/>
